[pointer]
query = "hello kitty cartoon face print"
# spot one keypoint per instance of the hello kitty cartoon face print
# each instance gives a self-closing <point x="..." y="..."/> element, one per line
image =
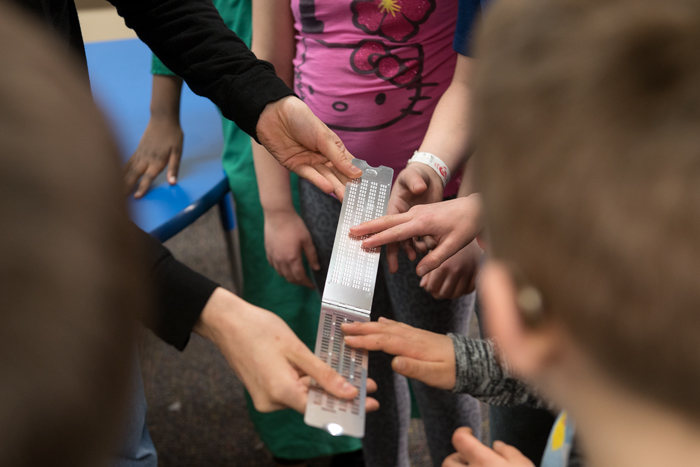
<point x="369" y="75"/>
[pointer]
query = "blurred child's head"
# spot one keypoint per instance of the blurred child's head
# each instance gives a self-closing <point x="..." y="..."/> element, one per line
<point x="70" y="279"/>
<point x="588" y="126"/>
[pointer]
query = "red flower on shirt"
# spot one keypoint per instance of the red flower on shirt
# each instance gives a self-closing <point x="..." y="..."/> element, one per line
<point x="394" y="20"/>
<point x="400" y="65"/>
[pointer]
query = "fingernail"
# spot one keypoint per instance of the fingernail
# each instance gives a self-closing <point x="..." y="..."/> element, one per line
<point x="422" y="270"/>
<point x="381" y="318"/>
<point x="173" y="180"/>
<point x="423" y="281"/>
<point x="316" y="267"/>
<point x="398" y="364"/>
<point x="347" y="387"/>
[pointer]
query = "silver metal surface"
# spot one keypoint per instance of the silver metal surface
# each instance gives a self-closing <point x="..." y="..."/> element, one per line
<point x="339" y="416"/>
<point x="353" y="269"/>
<point x="347" y="297"/>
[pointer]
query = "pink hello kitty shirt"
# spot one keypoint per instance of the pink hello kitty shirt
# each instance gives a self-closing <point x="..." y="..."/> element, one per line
<point x="374" y="70"/>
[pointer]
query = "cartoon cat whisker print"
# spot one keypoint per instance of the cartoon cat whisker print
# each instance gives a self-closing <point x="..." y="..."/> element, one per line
<point x="399" y="65"/>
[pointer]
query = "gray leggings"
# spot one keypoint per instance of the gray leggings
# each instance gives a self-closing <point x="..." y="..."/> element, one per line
<point x="398" y="296"/>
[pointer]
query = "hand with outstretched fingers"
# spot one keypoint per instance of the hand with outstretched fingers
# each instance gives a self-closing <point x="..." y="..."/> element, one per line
<point x="286" y="240"/>
<point x="160" y="145"/>
<point x="416" y="184"/>
<point x="422" y="355"/>
<point x="452" y="224"/>
<point x="304" y="145"/>
<point x="273" y="364"/>
<point x="473" y="453"/>
<point x="456" y="276"/>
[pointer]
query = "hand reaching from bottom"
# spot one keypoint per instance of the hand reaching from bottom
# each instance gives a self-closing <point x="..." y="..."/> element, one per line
<point x="471" y="452"/>
<point x="273" y="364"/>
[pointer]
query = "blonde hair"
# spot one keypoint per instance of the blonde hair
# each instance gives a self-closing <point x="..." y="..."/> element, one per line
<point x="588" y="127"/>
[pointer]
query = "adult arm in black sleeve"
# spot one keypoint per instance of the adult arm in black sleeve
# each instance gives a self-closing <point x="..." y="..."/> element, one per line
<point x="181" y="293"/>
<point x="193" y="41"/>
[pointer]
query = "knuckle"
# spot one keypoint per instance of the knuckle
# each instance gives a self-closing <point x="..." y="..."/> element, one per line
<point x="325" y="373"/>
<point x="436" y="257"/>
<point x="277" y="394"/>
<point x="263" y="405"/>
<point x="297" y="347"/>
<point x="384" y="340"/>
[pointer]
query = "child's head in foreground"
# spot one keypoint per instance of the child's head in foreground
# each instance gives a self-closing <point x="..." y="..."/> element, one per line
<point x="70" y="278"/>
<point x="588" y="126"/>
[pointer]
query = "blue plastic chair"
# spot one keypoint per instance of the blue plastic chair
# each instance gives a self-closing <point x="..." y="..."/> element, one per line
<point x="121" y="84"/>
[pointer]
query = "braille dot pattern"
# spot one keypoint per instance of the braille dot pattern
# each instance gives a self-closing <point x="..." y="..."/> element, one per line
<point x="345" y="360"/>
<point x="356" y="266"/>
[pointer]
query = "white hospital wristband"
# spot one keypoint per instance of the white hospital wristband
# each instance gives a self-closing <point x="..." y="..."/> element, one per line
<point x="435" y="163"/>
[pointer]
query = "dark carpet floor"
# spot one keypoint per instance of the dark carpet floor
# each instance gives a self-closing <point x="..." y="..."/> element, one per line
<point x="197" y="413"/>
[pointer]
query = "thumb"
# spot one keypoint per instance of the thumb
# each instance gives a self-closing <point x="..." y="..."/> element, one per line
<point x="436" y="257"/>
<point x="431" y="373"/>
<point x="330" y="145"/>
<point x="511" y="454"/>
<point x="310" y="252"/>
<point x="325" y="376"/>
<point x="415" y="182"/>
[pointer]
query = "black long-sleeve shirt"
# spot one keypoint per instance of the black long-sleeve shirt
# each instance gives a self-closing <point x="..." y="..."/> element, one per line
<point x="192" y="40"/>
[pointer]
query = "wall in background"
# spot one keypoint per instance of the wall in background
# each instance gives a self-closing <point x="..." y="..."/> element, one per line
<point x="84" y="4"/>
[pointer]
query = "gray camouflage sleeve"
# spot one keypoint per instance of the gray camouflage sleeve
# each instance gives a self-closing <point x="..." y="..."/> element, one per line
<point x="480" y="374"/>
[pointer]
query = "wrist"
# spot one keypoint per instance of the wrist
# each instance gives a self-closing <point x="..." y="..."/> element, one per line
<point x="461" y="356"/>
<point x="279" y="211"/>
<point x="436" y="165"/>
<point x="273" y="112"/>
<point x="165" y="116"/>
<point x="215" y="318"/>
<point x="435" y="179"/>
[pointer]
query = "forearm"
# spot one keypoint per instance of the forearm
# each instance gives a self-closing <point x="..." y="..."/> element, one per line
<point x="273" y="40"/>
<point x="480" y="374"/>
<point x="449" y="135"/>
<point x="273" y="36"/>
<point x="181" y="293"/>
<point x="165" y="97"/>
<point x="192" y="40"/>
<point x="273" y="182"/>
<point x="220" y="302"/>
<point x="466" y="186"/>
